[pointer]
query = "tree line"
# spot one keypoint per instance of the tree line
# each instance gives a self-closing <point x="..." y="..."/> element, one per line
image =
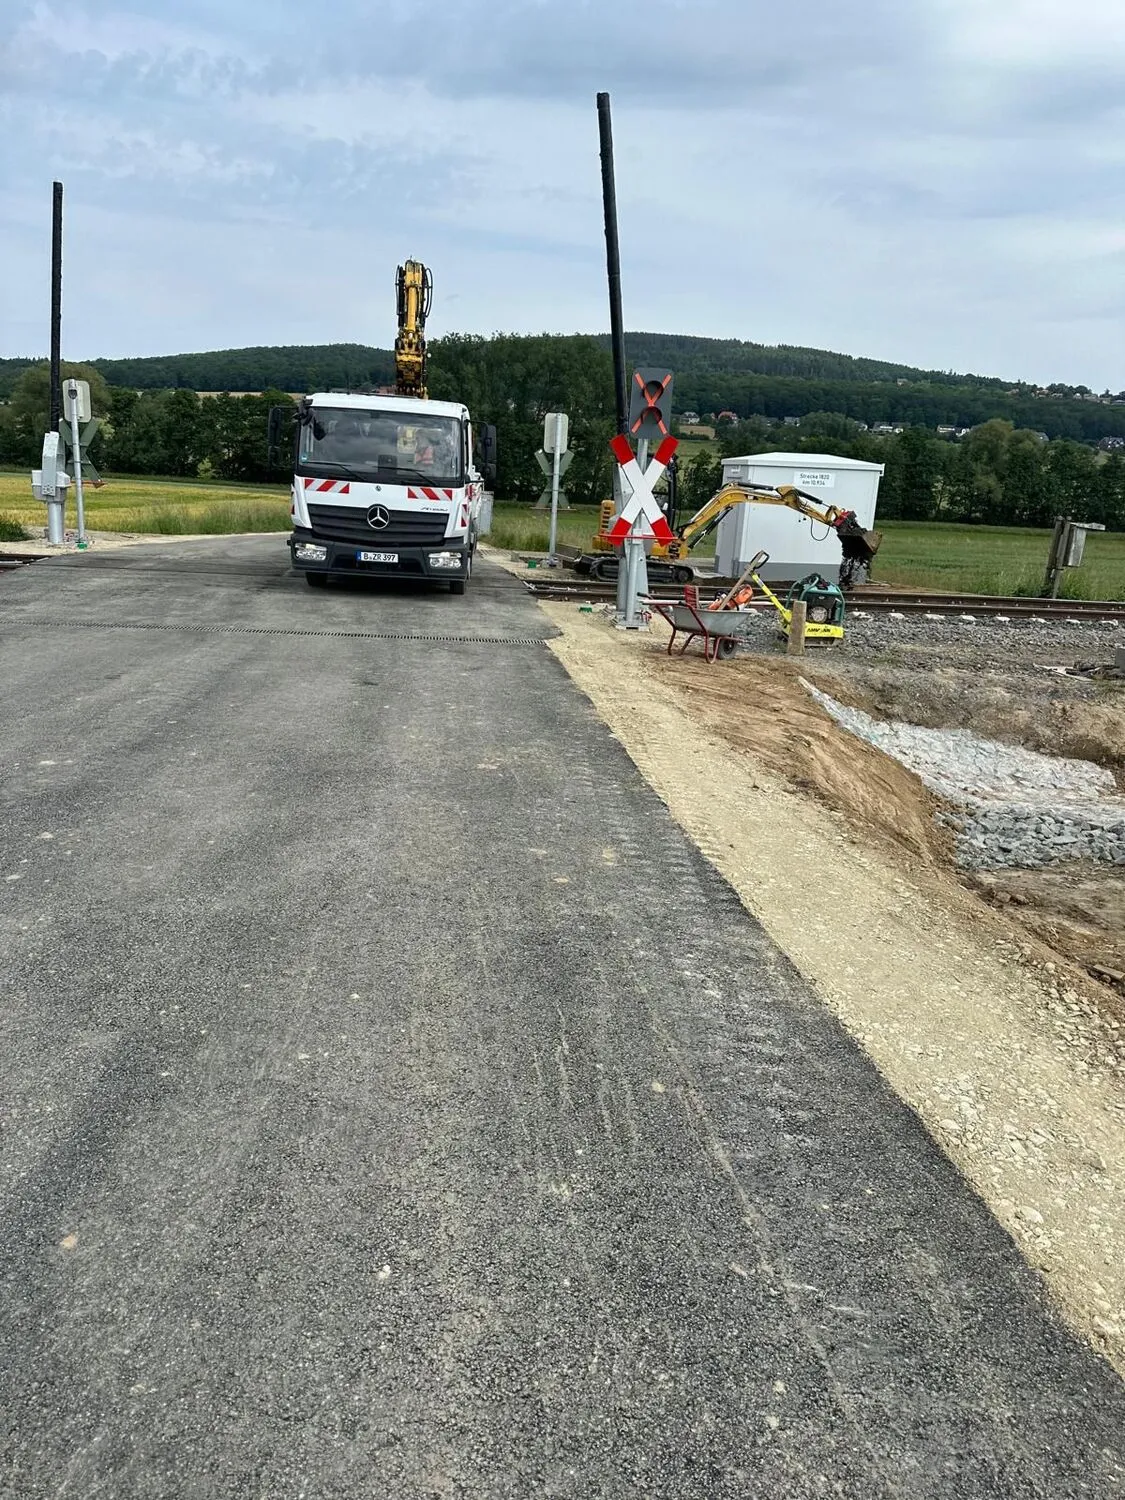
<point x="1002" y="472"/>
<point x="691" y="356"/>
<point x="297" y="368"/>
<point x="998" y="475"/>
<point x="712" y="375"/>
<point x="916" y="405"/>
<point x="171" y="432"/>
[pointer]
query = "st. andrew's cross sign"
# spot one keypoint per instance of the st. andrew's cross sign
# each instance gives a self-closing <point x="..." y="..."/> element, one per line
<point x="641" y="517"/>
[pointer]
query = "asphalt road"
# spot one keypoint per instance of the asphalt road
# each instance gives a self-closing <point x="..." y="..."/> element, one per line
<point x="395" y="1104"/>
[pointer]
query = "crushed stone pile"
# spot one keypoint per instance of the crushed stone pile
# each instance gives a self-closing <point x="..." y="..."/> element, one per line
<point x="1014" y="808"/>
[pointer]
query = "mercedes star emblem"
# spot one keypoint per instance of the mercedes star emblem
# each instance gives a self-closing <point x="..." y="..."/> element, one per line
<point x="378" y="518"/>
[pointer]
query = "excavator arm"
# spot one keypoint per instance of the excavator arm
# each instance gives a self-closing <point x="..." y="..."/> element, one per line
<point x="858" y="546"/>
<point x="415" y="293"/>
<point x="708" y="516"/>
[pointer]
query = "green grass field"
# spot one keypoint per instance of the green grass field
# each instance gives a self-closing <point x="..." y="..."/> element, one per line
<point x="162" y="507"/>
<point x="973" y="559"/>
<point x="994" y="560"/>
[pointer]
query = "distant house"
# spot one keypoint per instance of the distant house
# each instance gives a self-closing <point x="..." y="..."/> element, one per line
<point x="887" y="429"/>
<point x="727" y="416"/>
<point x="689" y="418"/>
<point x="1112" y="444"/>
<point x="792" y="421"/>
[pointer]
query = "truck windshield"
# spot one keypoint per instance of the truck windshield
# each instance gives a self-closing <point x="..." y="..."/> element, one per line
<point x="386" y="443"/>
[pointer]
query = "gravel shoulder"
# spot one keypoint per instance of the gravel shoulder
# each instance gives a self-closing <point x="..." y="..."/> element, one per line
<point x="106" y="541"/>
<point x="1014" y="1060"/>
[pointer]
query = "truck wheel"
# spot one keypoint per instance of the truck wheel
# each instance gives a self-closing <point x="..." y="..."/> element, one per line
<point x="457" y="585"/>
<point x="317" y="580"/>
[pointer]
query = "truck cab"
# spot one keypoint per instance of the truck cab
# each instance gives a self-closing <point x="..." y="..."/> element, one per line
<point x="384" y="486"/>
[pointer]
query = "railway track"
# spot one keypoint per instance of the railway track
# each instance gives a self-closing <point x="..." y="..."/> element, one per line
<point x="884" y="602"/>
<point x="881" y="601"/>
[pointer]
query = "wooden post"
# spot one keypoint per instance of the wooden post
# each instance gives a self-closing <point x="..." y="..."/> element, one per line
<point x="1055" y="559"/>
<point x="796" y="642"/>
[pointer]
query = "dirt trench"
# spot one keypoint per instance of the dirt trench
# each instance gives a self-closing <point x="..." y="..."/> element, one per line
<point x="1076" y="908"/>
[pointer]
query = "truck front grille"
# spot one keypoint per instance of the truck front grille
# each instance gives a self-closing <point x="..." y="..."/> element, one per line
<point x="348" y="523"/>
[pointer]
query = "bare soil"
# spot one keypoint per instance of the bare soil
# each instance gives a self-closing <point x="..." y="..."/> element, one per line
<point x="1012" y="1056"/>
<point x="758" y="704"/>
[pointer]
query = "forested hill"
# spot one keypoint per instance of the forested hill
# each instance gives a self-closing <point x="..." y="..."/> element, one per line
<point x="313" y="367"/>
<point x="310" y="367"/>
<point x="712" y="376"/>
<point x="329" y="366"/>
<point x="689" y="355"/>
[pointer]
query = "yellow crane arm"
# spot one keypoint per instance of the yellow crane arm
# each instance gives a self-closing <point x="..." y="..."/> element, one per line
<point x="415" y="293"/>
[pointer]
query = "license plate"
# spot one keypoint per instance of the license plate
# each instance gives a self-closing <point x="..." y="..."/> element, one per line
<point x="377" y="557"/>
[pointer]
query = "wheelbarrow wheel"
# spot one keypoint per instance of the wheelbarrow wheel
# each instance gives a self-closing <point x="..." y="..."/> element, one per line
<point x="725" y="648"/>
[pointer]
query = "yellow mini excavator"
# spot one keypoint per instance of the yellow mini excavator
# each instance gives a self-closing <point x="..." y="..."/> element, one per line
<point x="669" y="560"/>
<point x="415" y="295"/>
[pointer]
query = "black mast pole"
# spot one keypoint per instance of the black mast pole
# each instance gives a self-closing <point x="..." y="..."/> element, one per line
<point x="56" y="308"/>
<point x="613" y="262"/>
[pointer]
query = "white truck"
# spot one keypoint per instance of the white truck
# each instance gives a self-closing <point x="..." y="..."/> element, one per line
<point x="385" y="485"/>
<point x="388" y="484"/>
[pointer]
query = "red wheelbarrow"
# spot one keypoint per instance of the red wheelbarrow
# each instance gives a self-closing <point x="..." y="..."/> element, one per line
<point x="719" y="630"/>
<point x="720" y="626"/>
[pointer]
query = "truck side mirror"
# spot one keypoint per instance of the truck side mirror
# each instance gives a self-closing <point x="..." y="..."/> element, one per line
<point x="488" y="454"/>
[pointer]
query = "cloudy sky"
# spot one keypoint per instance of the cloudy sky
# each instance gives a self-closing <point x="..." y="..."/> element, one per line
<point x="934" y="181"/>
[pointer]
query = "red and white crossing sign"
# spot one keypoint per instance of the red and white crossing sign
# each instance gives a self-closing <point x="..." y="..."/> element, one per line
<point x="642" y="518"/>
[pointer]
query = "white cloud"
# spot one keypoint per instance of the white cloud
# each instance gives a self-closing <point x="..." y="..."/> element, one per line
<point x="1039" y="33"/>
<point x="935" y="187"/>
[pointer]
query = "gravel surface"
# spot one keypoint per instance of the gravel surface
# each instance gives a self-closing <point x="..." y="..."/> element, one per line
<point x="396" y="1102"/>
<point x="1015" y="807"/>
<point x="983" y="642"/>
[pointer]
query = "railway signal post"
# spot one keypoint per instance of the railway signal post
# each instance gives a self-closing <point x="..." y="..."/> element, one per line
<point x="639" y="520"/>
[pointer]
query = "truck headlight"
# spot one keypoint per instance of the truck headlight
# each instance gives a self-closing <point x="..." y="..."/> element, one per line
<point x="445" y="559"/>
<point x="310" y="552"/>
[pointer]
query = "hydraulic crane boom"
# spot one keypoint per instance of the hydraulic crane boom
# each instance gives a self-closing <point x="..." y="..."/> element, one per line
<point x="415" y="294"/>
